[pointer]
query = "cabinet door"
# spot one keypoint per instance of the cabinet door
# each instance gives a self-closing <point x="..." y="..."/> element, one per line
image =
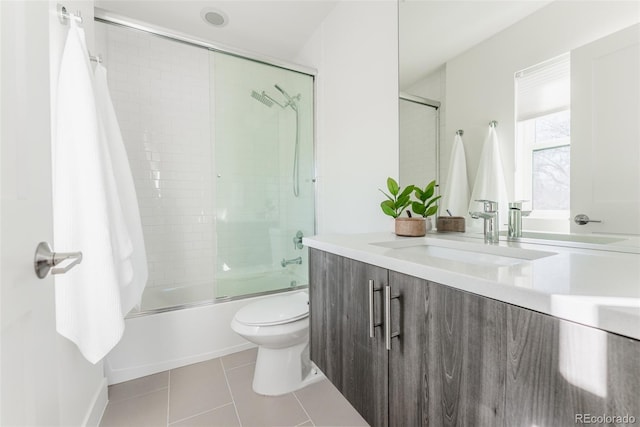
<point x="558" y="371"/>
<point x="340" y="344"/>
<point x="447" y="366"/>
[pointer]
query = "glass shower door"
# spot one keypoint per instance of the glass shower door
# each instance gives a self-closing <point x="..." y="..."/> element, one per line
<point x="263" y="157"/>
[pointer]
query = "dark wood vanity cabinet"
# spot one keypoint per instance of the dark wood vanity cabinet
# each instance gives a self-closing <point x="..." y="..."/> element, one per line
<point x="339" y="332"/>
<point x="461" y="359"/>
<point x="445" y="366"/>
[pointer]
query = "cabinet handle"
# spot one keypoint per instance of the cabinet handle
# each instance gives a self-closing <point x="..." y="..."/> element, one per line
<point x="387" y="317"/>
<point x="372" y="324"/>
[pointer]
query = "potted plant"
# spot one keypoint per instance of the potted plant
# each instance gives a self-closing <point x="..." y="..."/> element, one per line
<point x="425" y="205"/>
<point x="397" y="201"/>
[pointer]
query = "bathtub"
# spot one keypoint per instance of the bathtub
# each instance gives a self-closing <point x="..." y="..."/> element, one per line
<point x="160" y="341"/>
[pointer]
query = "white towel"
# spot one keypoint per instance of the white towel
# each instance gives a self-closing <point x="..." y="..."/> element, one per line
<point x="490" y="183"/>
<point x="134" y="272"/>
<point x="456" y="192"/>
<point x="88" y="309"/>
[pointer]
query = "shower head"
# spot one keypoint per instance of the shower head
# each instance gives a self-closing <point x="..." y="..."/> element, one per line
<point x="282" y="91"/>
<point x="291" y="100"/>
<point x="262" y="97"/>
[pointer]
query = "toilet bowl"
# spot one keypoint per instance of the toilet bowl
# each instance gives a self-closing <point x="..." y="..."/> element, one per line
<point x="279" y="325"/>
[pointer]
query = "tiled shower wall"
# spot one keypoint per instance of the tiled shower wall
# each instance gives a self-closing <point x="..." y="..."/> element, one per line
<point x="160" y="91"/>
<point x="258" y="215"/>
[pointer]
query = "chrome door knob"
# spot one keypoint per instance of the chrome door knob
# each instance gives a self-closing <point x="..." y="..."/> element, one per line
<point x="582" y="219"/>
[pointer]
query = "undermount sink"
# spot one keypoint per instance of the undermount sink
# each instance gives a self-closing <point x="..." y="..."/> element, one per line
<point x="467" y="252"/>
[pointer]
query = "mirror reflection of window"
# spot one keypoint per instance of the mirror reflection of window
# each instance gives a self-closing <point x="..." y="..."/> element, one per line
<point x="543" y="135"/>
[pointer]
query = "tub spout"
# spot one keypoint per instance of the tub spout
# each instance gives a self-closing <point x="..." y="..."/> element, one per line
<point x="286" y="262"/>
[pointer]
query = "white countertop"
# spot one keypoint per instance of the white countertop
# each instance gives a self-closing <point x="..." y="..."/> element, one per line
<point x="587" y="285"/>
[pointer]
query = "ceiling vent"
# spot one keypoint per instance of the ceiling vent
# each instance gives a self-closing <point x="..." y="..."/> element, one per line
<point x="214" y="17"/>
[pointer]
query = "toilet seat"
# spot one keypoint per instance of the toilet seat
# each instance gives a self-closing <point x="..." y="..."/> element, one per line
<point x="275" y="310"/>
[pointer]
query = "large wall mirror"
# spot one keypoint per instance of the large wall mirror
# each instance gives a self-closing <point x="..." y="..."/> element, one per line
<point x="560" y="78"/>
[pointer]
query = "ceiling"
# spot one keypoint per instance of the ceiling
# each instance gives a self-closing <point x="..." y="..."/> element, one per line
<point x="273" y="28"/>
<point x="431" y="31"/>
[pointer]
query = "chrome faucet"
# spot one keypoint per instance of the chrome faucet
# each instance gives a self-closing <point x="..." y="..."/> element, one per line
<point x="491" y="223"/>
<point x="286" y="262"/>
<point x="515" y="219"/>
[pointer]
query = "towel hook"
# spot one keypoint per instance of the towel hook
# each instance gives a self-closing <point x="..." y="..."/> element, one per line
<point x="45" y="260"/>
<point x="64" y="15"/>
<point x="493" y="123"/>
<point x="460" y="132"/>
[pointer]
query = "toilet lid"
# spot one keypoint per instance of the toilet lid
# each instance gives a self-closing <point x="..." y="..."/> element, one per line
<point x="275" y="310"/>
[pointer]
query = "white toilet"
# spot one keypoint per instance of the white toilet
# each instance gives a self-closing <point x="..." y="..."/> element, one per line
<point x="279" y="325"/>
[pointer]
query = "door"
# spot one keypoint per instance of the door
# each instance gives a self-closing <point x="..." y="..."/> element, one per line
<point x="341" y="345"/>
<point x="605" y="133"/>
<point x="28" y="366"/>
<point x="447" y="365"/>
<point x="560" y="372"/>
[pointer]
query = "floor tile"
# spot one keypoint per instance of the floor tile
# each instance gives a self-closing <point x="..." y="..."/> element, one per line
<point x="327" y="407"/>
<point x="197" y="388"/>
<point x="138" y="387"/>
<point x="146" y="410"/>
<point x="240" y="358"/>
<point x="256" y="410"/>
<point x="220" y="417"/>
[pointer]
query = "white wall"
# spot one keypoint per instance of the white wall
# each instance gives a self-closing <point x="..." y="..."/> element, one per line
<point x="356" y="53"/>
<point x="82" y="391"/>
<point x="479" y="83"/>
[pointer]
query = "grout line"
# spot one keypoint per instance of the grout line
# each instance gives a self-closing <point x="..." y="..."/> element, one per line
<point x="240" y="366"/>
<point x="135" y="396"/>
<point x="168" y="396"/>
<point x="303" y="408"/>
<point x="200" y="413"/>
<point x="304" y="422"/>
<point x="233" y="400"/>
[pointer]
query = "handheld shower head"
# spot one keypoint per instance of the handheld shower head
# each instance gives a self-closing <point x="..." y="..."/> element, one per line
<point x="282" y="91"/>
<point x="291" y="100"/>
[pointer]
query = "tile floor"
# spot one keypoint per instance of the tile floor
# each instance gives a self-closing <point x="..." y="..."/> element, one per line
<point x="218" y="393"/>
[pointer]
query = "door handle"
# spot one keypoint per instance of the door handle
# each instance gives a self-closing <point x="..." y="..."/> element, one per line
<point x="45" y="260"/>
<point x="372" y="324"/>
<point x="388" y="335"/>
<point x="582" y="219"/>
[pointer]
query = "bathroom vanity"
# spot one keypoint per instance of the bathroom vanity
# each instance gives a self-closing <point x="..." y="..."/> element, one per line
<point x="445" y="330"/>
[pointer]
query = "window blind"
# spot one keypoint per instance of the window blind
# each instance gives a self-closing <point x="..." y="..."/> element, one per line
<point x="544" y="88"/>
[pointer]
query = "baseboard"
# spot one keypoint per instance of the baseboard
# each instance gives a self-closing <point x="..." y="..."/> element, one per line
<point x="98" y="405"/>
<point x="116" y="376"/>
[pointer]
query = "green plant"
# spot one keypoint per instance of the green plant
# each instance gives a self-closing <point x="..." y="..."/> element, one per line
<point x="425" y="204"/>
<point x="398" y="200"/>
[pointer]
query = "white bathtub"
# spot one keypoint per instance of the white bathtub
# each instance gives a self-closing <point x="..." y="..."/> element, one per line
<point x="157" y="342"/>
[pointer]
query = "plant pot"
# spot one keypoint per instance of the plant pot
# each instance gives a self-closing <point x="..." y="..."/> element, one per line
<point x="412" y="227"/>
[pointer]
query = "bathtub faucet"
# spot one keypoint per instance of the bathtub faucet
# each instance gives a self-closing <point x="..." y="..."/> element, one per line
<point x="286" y="262"/>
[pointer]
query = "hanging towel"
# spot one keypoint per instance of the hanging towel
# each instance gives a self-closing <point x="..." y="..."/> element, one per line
<point x="88" y="308"/>
<point x="134" y="272"/>
<point x="456" y="192"/>
<point x="490" y="183"/>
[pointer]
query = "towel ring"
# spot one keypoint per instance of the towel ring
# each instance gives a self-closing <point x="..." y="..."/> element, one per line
<point x="45" y="260"/>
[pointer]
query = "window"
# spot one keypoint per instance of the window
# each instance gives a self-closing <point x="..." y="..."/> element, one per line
<point x="543" y="137"/>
